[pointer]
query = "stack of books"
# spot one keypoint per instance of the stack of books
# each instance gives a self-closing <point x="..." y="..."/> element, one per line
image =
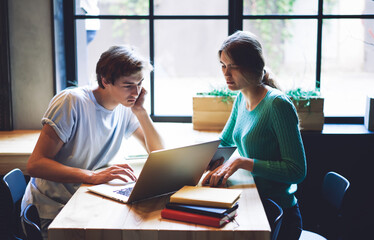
<point x="203" y="205"/>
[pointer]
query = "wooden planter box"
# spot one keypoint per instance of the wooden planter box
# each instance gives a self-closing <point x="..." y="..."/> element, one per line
<point x="210" y="113"/>
<point x="311" y="118"/>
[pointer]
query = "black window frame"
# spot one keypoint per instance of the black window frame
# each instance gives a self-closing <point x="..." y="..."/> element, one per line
<point x="235" y="19"/>
<point x="6" y="114"/>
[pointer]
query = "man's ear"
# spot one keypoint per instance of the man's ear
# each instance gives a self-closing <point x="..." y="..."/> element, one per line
<point x="104" y="82"/>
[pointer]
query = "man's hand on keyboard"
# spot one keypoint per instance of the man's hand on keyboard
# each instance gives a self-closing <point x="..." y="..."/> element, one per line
<point x="119" y="171"/>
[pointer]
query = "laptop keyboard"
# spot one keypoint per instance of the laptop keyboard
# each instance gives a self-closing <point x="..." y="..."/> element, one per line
<point x="125" y="191"/>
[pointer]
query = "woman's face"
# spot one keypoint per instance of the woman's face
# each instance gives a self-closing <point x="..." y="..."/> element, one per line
<point x="234" y="76"/>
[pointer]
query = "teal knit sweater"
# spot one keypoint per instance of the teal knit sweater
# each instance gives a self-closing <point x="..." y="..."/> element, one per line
<point x="270" y="135"/>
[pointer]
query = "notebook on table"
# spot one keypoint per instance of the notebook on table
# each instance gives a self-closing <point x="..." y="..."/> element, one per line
<point x="206" y="196"/>
<point x="198" y="218"/>
<point x="202" y="210"/>
<point x="165" y="171"/>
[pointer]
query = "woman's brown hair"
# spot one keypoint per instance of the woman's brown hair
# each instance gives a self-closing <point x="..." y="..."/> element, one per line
<point x="245" y="50"/>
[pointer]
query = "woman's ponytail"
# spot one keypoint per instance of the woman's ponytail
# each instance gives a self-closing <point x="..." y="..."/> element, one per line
<point x="268" y="79"/>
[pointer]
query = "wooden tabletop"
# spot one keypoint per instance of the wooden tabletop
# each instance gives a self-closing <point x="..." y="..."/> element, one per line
<point x="90" y="216"/>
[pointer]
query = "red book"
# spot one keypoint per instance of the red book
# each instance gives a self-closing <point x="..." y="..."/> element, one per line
<point x="197" y="218"/>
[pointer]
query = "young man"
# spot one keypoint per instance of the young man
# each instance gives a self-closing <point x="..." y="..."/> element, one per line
<point x="83" y="129"/>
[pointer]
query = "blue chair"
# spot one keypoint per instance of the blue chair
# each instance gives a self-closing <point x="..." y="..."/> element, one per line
<point x="274" y="214"/>
<point x="333" y="191"/>
<point x="31" y="222"/>
<point x="14" y="187"/>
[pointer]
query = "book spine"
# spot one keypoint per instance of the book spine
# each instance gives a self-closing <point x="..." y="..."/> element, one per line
<point x="196" y="211"/>
<point x="201" y="203"/>
<point x="208" y="211"/>
<point x="190" y="217"/>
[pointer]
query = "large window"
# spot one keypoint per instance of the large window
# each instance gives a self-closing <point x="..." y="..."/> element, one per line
<point x="311" y="44"/>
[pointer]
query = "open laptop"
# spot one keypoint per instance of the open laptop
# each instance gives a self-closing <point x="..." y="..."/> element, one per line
<point x="165" y="171"/>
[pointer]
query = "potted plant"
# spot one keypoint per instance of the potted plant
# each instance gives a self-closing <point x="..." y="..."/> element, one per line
<point x="309" y="106"/>
<point x="212" y="109"/>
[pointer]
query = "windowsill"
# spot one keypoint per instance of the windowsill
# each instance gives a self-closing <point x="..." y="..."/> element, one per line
<point x="329" y="128"/>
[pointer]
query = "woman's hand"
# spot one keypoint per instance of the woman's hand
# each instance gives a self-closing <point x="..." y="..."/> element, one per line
<point x="113" y="172"/>
<point x="218" y="177"/>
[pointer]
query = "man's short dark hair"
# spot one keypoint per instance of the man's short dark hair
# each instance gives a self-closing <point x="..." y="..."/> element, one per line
<point x="119" y="61"/>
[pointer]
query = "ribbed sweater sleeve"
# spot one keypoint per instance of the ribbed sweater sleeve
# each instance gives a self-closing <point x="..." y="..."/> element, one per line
<point x="291" y="167"/>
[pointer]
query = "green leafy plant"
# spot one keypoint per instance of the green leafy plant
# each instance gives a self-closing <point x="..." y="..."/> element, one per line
<point x="226" y="94"/>
<point x="303" y="96"/>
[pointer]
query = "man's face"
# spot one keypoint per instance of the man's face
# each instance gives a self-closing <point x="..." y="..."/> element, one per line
<point x="126" y="90"/>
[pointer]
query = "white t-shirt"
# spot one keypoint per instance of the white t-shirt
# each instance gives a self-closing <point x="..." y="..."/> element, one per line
<point x="92" y="136"/>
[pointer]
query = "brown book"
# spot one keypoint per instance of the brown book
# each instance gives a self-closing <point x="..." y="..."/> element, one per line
<point x="206" y="196"/>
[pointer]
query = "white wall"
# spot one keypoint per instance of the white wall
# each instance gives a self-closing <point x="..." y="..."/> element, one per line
<point x="30" y="24"/>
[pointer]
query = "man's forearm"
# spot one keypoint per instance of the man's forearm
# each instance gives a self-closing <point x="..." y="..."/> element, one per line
<point x="153" y="139"/>
<point x="51" y="170"/>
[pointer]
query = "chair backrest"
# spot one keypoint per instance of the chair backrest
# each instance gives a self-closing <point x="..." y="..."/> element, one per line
<point x="334" y="188"/>
<point x="14" y="187"/>
<point x="274" y="214"/>
<point x="31" y="222"/>
<point x="16" y="183"/>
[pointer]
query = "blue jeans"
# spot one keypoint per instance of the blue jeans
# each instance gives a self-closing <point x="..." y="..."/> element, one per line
<point x="90" y="35"/>
<point x="292" y="224"/>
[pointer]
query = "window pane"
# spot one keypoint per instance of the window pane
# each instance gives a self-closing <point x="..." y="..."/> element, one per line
<point x="280" y="7"/>
<point x="186" y="62"/>
<point x="112" y="7"/>
<point x="348" y="7"/>
<point x="111" y="32"/>
<point x="347" y="65"/>
<point x="206" y="7"/>
<point x="289" y="48"/>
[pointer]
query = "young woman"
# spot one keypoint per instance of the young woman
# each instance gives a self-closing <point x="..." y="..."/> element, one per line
<point x="264" y="126"/>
